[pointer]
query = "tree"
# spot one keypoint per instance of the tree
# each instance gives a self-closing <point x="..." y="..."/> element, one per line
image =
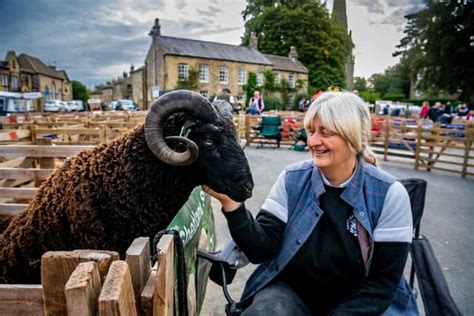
<point x="439" y="40"/>
<point x="322" y="44"/>
<point x="250" y="86"/>
<point x="360" y="84"/>
<point x="79" y="91"/>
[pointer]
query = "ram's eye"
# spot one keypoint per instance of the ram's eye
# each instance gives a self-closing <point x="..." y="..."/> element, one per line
<point x="208" y="142"/>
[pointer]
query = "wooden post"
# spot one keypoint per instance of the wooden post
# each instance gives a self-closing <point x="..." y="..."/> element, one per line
<point x="45" y="163"/>
<point x="387" y="137"/>
<point x="116" y="297"/>
<point x="467" y="149"/>
<point x="247" y="129"/>
<point x="419" y="133"/>
<point x="164" y="286"/>
<point x="147" y="295"/>
<point x="138" y="259"/>
<point x="82" y="290"/>
<point x="21" y="299"/>
<point x="57" y="267"/>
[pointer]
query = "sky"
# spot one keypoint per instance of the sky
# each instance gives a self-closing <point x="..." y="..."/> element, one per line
<point x="96" y="40"/>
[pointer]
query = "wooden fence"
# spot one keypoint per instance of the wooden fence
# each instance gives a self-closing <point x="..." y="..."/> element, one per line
<point x="91" y="282"/>
<point x="425" y="146"/>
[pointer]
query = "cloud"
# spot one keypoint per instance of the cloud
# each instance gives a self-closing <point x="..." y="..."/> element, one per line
<point x="373" y="6"/>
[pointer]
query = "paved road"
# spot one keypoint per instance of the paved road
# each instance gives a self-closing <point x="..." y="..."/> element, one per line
<point x="447" y="222"/>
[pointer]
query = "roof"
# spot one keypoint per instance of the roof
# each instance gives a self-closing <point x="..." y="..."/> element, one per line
<point x="286" y="64"/>
<point x="34" y="65"/>
<point x="211" y="50"/>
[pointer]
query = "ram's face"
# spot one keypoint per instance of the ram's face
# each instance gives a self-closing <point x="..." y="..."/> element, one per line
<point x="222" y="162"/>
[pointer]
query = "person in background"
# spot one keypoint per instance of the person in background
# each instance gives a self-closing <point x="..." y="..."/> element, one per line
<point x="425" y="108"/>
<point x="333" y="235"/>
<point x="256" y="104"/>
<point x="462" y="110"/>
<point x="303" y="104"/>
<point x="435" y="112"/>
<point x="227" y="96"/>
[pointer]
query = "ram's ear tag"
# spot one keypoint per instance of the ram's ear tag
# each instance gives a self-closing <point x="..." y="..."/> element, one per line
<point x="187" y="127"/>
<point x="189" y="124"/>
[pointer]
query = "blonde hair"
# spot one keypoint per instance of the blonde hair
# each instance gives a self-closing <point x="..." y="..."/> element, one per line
<point x="347" y="115"/>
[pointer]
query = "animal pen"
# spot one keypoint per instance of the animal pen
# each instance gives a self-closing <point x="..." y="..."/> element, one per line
<point x="83" y="282"/>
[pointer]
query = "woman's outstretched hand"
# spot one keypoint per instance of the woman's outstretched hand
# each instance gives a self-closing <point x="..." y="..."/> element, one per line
<point x="228" y="204"/>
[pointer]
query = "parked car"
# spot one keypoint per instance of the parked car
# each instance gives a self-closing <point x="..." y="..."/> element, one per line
<point x="111" y="106"/>
<point x="76" y="105"/>
<point x="53" y="106"/>
<point x="126" y="105"/>
<point x="65" y="107"/>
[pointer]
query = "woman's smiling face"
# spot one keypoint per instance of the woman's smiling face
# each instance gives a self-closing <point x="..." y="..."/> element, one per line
<point x="329" y="150"/>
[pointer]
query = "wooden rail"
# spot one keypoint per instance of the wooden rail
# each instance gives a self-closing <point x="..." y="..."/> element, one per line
<point x="85" y="282"/>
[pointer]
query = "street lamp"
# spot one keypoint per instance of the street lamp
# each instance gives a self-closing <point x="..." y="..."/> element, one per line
<point x="154" y="33"/>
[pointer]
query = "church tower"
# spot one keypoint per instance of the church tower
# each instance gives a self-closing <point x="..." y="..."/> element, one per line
<point x="339" y="14"/>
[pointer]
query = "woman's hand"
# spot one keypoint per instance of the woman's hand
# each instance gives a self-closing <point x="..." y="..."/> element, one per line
<point x="228" y="204"/>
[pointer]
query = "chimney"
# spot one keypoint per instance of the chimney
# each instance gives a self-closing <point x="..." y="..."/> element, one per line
<point x="132" y="68"/>
<point x="125" y="75"/>
<point x="293" y="54"/>
<point x="156" y="29"/>
<point x="253" y="40"/>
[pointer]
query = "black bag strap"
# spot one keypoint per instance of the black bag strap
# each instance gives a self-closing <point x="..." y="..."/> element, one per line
<point x="181" y="263"/>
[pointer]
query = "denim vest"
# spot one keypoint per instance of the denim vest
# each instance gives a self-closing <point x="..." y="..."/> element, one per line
<point x="304" y="186"/>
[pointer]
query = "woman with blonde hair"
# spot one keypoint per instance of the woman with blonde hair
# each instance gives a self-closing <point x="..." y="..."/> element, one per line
<point x="332" y="237"/>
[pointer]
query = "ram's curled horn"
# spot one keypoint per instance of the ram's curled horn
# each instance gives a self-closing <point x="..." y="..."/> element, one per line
<point x="188" y="102"/>
<point x="223" y="108"/>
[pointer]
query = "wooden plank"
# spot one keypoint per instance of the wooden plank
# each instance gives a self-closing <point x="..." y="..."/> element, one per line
<point x="116" y="297"/>
<point x="12" y="208"/>
<point x="21" y="299"/>
<point x="68" y="130"/>
<point x="147" y="295"/>
<point x="14" y="135"/>
<point x="18" y="193"/>
<point x="57" y="267"/>
<point x="164" y="282"/>
<point x="82" y="290"/>
<point x="41" y="151"/>
<point x="25" y="173"/>
<point x="138" y="259"/>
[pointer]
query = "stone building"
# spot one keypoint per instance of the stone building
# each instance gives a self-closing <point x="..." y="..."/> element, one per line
<point x="169" y="59"/>
<point x="25" y="73"/>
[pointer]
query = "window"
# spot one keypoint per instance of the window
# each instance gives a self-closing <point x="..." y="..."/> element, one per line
<point x="291" y="80"/>
<point x="182" y="71"/>
<point x="242" y="76"/>
<point x="277" y="78"/>
<point x="203" y="73"/>
<point x="204" y="93"/>
<point x="223" y="74"/>
<point x="14" y="83"/>
<point x="259" y="78"/>
<point x="4" y="82"/>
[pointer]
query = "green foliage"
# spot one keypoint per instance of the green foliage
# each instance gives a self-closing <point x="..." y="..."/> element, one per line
<point x="273" y="102"/>
<point x="360" y="84"/>
<point x="285" y="92"/>
<point x="370" y="96"/>
<point x="251" y="86"/>
<point x="394" y="96"/>
<point x="79" y="91"/>
<point x="322" y="44"/>
<point x="269" y="81"/>
<point x="438" y="45"/>
<point x="192" y="83"/>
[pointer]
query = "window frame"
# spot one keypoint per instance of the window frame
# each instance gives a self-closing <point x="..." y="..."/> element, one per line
<point x="183" y="71"/>
<point x="204" y="73"/>
<point x="242" y="76"/>
<point x="224" y="72"/>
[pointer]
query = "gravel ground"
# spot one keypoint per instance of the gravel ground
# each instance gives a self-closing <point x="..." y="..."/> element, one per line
<point x="447" y="222"/>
